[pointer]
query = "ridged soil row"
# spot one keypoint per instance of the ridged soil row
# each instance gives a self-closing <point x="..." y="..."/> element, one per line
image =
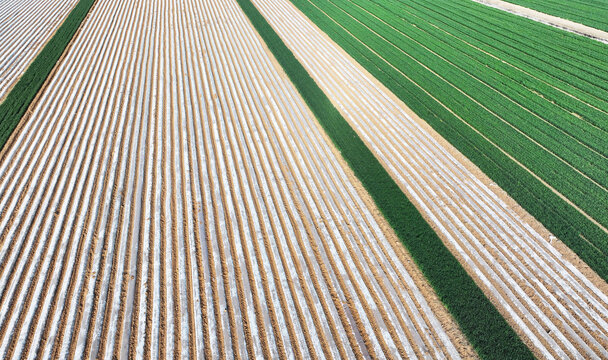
<point x="172" y="196"/>
<point x="550" y="297"/>
<point x="25" y="27"/>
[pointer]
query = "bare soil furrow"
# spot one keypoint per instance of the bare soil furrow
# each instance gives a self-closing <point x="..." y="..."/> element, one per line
<point x="136" y="226"/>
<point x="186" y="219"/>
<point x="276" y="231"/>
<point x="61" y="190"/>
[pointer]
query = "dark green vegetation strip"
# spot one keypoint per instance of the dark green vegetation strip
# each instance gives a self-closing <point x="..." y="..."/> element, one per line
<point x="18" y="100"/>
<point x="592" y="13"/>
<point x="485" y="328"/>
<point x="538" y="93"/>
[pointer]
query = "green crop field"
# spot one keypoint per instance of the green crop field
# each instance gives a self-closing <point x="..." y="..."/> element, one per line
<point x="592" y="13"/>
<point x="525" y="102"/>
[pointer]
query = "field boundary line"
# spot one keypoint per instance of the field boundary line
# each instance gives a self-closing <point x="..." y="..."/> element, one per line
<point x="547" y="19"/>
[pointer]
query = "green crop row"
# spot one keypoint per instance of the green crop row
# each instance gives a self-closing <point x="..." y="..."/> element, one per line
<point x="520" y="104"/>
<point x="578" y="58"/>
<point x="479" y="320"/>
<point x="18" y="100"/>
<point x="558" y="58"/>
<point x="587" y="12"/>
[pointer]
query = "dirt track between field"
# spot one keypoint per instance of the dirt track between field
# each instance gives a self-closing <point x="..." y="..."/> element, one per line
<point x="547" y="19"/>
<point x="553" y="300"/>
<point x="170" y="195"/>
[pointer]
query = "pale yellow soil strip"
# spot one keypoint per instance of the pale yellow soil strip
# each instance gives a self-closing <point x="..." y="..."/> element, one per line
<point x="564" y="24"/>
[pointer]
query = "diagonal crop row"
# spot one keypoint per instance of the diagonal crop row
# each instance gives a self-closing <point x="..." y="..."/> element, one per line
<point x="545" y="49"/>
<point x="25" y="27"/>
<point x="497" y="114"/>
<point x="492" y="114"/>
<point x="495" y="98"/>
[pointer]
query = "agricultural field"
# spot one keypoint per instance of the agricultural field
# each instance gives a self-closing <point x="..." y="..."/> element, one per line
<point x="548" y="19"/>
<point x="442" y="184"/>
<point x="185" y="215"/>
<point x="301" y="179"/>
<point x="525" y="102"/>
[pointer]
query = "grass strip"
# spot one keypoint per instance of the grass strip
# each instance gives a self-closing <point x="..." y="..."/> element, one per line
<point x="21" y="95"/>
<point x="486" y="329"/>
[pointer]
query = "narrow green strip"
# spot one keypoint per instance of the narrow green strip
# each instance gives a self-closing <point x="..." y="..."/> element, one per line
<point x="479" y="320"/>
<point x="19" y="99"/>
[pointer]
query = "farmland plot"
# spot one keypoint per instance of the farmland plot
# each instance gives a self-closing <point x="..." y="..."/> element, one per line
<point x="25" y="26"/>
<point x="555" y="302"/>
<point x="524" y="101"/>
<point x="170" y="195"/>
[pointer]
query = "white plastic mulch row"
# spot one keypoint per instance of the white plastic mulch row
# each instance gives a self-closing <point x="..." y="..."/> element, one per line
<point x="172" y="196"/>
<point x="25" y="27"/>
<point x="556" y="309"/>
